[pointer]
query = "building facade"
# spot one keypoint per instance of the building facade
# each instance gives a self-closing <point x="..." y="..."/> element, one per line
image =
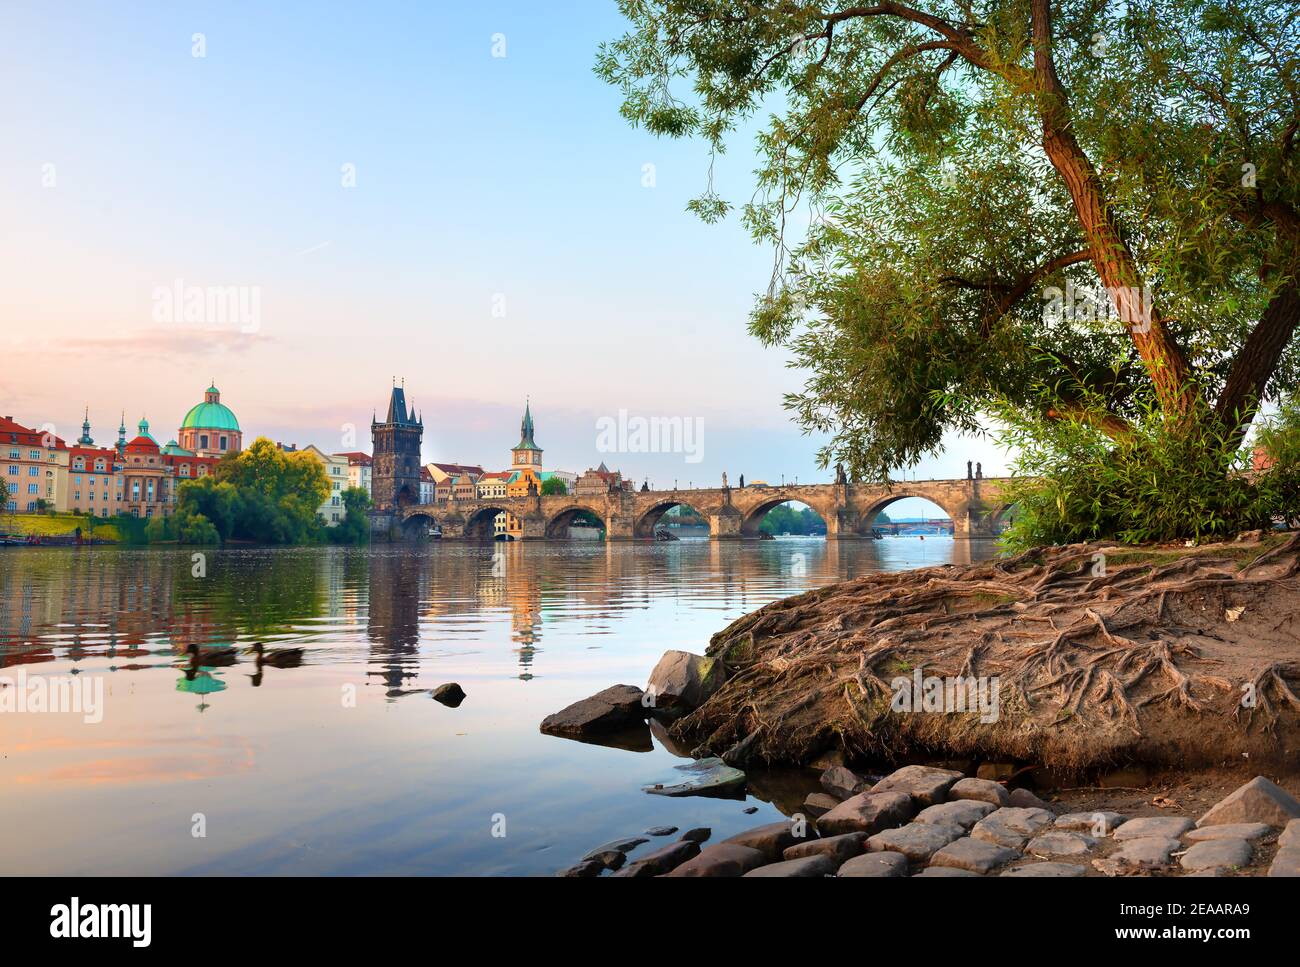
<point x="336" y="465"/>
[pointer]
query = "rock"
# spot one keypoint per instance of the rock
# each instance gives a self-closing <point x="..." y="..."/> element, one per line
<point x="996" y="770"/>
<point x="1027" y="800"/>
<point x="840" y="848"/>
<point x="1246" y="831"/>
<point x="980" y="790"/>
<point x="1290" y="836"/>
<point x="722" y="859"/>
<point x="875" y="864"/>
<point x="707" y="777"/>
<point x="917" y="841"/>
<point x="960" y="812"/>
<point x="1165" y="827"/>
<point x="749" y="810"/>
<point x="742" y="752"/>
<point x="925" y="784"/>
<point x="661" y="830"/>
<point x="1047" y="869"/>
<point x="617" y="707"/>
<point x="1210" y="871"/>
<point x="622" y="845"/>
<point x="819" y="803"/>
<point x="1099" y="823"/>
<point x="1286" y="862"/>
<point x="450" y="694"/>
<point x="585" y="868"/>
<point x="1146" y="851"/>
<point x="697" y="835"/>
<point x="975" y="855"/>
<point x="945" y="871"/>
<point x="842" y="782"/>
<point x="828" y="759"/>
<point x="1011" y="826"/>
<point x="611" y="859"/>
<point x="682" y="680"/>
<point x="1210" y="853"/>
<point x="1060" y="842"/>
<point x="663" y="860"/>
<point x="867" y="812"/>
<point x="773" y="839"/>
<point x="819" y="864"/>
<point x="1258" y="801"/>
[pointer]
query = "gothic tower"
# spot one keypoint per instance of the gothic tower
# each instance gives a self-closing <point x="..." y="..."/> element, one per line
<point x="527" y="455"/>
<point x="395" y="473"/>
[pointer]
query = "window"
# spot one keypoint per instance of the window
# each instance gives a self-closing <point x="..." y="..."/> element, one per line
<point x="78" y="464"/>
<point x="13" y="469"/>
<point x="12" y="505"/>
<point x="203" y="441"/>
<point x="223" y="443"/>
<point x="31" y="505"/>
<point x="13" y="488"/>
<point x="77" y="480"/>
<point x="33" y="471"/>
<point x="33" y="489"/>
<point x="14" y="455"/>
<point x="34" y="454"/>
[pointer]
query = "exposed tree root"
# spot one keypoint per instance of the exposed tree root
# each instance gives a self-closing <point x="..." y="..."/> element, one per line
<point x="1096" y="653"/>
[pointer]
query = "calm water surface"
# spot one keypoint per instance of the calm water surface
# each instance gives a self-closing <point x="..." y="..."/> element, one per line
<point x="345" y="765"/>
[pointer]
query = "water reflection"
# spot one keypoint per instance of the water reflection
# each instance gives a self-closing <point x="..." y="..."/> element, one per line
<point x="299" y="777"/>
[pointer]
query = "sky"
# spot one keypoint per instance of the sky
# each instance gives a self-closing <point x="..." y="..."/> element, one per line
<point x="381" y="195"/>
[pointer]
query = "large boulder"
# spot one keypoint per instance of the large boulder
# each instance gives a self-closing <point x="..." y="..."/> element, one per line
<point x="926" y="784"/>
<point x="1213" y="853"/>
<point x="875" y="864"/>
<point x="661" y="861"/>
<point x="1166" y="827"/>
<point x="683" y="681"/>
<point x="917" y="841"/>
<point x="867" y="812"/>
<point x="1258" y="801"/>
<point x="963" y="812"/>
<point x="980" y="790"/>
<point x="973" y="855"/>
<point x="840" y="848"/>
<point x="843" y="783"/>
<point x="773" y="839"/>
<point x="819" y="864"/>
<point x="1011" y="826"/>
<point x="722" y="859"/>
<point x="612" y="710"/>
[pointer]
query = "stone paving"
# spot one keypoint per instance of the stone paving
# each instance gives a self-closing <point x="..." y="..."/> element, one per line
<point x="925" y="821"/>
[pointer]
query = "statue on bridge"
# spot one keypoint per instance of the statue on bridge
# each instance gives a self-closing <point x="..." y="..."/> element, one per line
<point x="742" y="481"/>
<point x="724" y="480"/>
<point x="645" y="487"/>
<point x="969" y="475"/>
<point x="979" y="471"/>
<point x="840" y="478"/>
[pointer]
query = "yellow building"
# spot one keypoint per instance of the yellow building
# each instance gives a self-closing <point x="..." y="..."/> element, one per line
<point x="336" y="467"/>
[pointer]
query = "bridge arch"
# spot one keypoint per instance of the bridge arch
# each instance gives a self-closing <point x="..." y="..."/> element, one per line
<point x="751" y="526"/>
<point x="416" y="524"/>
<point x="649" y="518"/>
<point x="480" y="524"/>
<point x="956" y="513"/>
<point x="558" y="524"/>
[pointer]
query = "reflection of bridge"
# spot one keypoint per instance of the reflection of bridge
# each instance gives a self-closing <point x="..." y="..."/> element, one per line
<point x="849" y="510"/>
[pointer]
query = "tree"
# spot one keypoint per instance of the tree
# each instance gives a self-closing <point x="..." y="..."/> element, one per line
<point x="355" y="526"/>
<point x="554" y="486"/>
<point x="961" y="163"/>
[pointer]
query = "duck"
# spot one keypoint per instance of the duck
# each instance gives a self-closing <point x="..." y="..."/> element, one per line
<point x="211" y="659"/>
<point x="280" y="658"/>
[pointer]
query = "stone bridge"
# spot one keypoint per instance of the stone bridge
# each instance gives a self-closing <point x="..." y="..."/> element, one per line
<point x="849" y="510"/>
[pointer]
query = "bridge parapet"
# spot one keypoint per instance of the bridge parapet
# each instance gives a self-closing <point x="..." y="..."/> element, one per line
<point x="849" y="510"/>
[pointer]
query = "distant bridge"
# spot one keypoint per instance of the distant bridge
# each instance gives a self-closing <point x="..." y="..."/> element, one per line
<point x="849" y="510"/>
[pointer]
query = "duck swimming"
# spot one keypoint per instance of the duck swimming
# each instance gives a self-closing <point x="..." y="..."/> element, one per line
<point x="279" y="658"/>
<point x="211" y="659"/>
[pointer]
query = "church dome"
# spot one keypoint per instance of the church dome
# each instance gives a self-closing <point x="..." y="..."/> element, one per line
<point x="211" y="414"/>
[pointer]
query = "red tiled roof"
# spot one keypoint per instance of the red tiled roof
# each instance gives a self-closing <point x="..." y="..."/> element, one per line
<point x="357" y="458"/>
<point x="454" y="468"/>
<point x="26" y="436"/>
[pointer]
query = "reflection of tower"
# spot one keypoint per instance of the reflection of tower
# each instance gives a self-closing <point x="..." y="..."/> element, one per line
<point x="524" y="598"/>
<point x="395" y="470"/>
<point x="393" y="622"/>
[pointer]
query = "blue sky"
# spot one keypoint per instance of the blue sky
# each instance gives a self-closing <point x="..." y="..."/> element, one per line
<point x="481" y="182"/>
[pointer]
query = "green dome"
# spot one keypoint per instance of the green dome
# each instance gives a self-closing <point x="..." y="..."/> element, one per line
<point x="210" y="416"/>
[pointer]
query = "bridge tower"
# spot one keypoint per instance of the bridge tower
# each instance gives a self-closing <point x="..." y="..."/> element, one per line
<point x="395" y="475"/>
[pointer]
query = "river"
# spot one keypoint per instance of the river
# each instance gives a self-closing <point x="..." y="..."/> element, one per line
<point x="345" y="765"/>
